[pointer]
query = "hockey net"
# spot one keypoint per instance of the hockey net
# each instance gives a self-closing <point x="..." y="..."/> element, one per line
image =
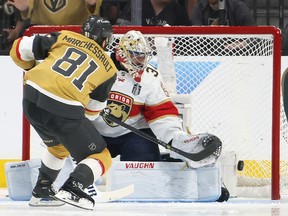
<point x="228" y="81"/>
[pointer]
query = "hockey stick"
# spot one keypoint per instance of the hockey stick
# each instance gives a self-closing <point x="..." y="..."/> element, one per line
<point x="109" y="196"/>
<point x="206" y="152"/>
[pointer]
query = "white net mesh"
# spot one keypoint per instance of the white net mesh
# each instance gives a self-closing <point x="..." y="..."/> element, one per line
<point x="229" y="80"/>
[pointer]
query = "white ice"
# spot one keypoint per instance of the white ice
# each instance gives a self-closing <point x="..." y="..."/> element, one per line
<point x="235" y="207"/>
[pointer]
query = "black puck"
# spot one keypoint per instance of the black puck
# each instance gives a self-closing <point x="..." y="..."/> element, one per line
<point x="240" y="165"/>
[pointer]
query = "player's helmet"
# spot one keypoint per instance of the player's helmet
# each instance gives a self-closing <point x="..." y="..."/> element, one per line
<point x="97" y="28"/>
<point x="134" y="52"/>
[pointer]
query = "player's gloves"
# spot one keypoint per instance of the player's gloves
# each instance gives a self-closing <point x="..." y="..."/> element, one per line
<point x="193" y="144"/>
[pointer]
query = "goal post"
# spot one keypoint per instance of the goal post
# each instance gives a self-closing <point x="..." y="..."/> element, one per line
<point x="231" y="76"/>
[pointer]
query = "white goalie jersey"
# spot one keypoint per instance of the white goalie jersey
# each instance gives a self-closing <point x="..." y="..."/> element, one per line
<point x="141" y="105"/>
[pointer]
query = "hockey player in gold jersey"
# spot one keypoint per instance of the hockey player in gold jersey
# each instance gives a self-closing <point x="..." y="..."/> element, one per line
<point x="57" y="12"/>
<point x="62" y="94"/>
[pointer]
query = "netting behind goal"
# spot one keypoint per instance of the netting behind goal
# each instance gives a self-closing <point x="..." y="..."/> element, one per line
<point x="229" y="78"/>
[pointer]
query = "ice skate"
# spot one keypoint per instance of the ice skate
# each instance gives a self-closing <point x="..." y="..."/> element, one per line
<point x="43" y="195"/>
<point x="72" y="193"/>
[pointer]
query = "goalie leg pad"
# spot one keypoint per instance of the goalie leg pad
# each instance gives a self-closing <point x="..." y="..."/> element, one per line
<point x="172" y="181"/>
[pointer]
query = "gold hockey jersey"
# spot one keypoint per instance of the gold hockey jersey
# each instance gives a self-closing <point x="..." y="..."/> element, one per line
<point x="75" y="73"/>
<point x="59" y="12"/>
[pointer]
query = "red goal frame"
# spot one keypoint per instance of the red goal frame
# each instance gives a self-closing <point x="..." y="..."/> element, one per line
<point x="275" y="187"/>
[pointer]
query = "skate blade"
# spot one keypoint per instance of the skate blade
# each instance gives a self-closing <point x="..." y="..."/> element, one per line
<point x="44" y="202"/>
<point x="67" y="197"/>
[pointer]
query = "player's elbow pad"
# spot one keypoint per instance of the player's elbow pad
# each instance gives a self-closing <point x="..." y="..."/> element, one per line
<point x="21" y="53"/>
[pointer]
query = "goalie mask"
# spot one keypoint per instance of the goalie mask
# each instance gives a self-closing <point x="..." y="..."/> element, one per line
<point x="133" y="52"/>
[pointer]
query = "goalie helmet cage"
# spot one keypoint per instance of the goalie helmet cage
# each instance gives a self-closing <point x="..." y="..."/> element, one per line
<point x="232" y="77"/>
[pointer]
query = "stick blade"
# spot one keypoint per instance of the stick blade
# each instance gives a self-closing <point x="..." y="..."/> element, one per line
<point x="110" y="196"/>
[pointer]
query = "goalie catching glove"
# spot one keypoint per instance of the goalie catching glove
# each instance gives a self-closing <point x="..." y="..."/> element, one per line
<point x="194" y="144"/>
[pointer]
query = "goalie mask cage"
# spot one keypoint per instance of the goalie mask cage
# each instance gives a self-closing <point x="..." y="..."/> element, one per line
<point x="232" y="77"/>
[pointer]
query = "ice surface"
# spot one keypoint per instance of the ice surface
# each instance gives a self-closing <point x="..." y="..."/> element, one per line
<point x="235" y="207"/>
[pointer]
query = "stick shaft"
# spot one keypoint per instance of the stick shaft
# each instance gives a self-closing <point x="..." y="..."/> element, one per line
<point x="192" y="156"/>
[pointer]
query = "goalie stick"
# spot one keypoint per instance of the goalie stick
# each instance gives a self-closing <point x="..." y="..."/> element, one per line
<point x="206" y="152"/>
<point x="109" y="196"/>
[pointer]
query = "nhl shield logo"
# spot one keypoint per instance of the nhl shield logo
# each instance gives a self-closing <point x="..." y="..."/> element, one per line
<point x="119" y="106"/>
<point x="55" y="5"/>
